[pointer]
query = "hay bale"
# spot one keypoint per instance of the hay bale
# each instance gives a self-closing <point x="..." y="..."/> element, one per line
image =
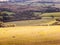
<point x="7" y="25"/>
<point x="11" y="25"/>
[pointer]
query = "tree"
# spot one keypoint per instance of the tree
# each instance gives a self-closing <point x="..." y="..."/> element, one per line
<point x="25" y="15"/>
<point x="5" y="17"/>
<point x="1" y="17"/>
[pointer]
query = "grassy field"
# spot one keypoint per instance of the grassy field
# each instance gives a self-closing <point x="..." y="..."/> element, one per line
<point x="32" y="22"/>
<point x="9" y="13"/>
<point x="30" y="35"/>
<point x="55" y="14"/>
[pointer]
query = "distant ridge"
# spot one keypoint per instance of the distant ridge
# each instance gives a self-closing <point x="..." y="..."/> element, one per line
<point x="40" y="1"/>
<point x="48" y="2"/>
<point x="18" y="0"/>
<point x="28" y="1"/>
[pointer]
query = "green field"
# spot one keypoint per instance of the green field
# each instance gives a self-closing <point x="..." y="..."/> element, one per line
<point x="55" y="14"/>
<point x="9" y="13"/>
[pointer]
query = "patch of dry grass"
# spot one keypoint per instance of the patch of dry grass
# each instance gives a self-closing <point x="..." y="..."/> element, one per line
<point x="30" y="35"/>
<point x="32" y="22"/>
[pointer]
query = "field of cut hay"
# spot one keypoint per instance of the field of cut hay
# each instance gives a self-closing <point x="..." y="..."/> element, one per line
<point x="30" y="35"/>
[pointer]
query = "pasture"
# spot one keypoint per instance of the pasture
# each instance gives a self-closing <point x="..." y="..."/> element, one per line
<point x="32" y="22"/>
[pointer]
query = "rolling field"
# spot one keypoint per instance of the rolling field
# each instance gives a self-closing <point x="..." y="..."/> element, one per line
<point x="32" y="22"/>
<point x="8" y="12"/>
<point x="46" y="20"/>
<point x="30" y="32"/>
<point x="30" y="35"/>
<point x="55" y="14"/>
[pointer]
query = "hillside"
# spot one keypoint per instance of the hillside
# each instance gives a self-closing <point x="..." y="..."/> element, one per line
<point x="29" y="14"/>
